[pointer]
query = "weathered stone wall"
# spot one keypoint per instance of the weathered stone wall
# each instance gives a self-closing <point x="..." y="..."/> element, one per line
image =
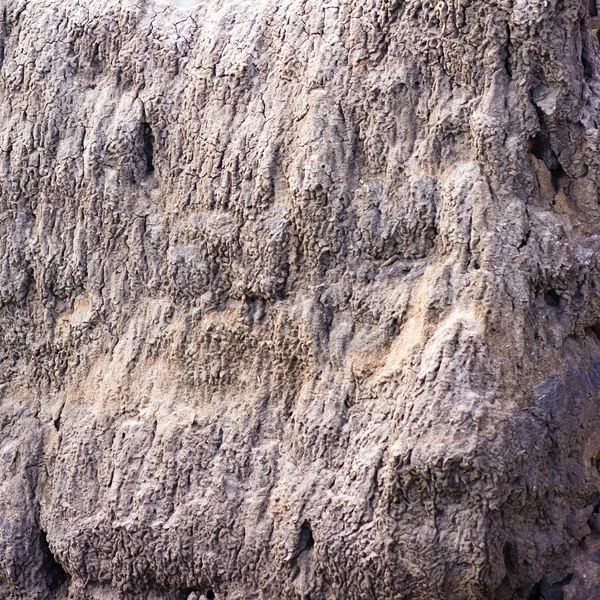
<point x="299" y="300"/>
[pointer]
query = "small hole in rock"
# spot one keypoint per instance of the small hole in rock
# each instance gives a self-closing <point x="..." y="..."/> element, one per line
<point x="305" y="540"/>
<point x="538" y="146"/>
<point x="552" y="298"/>
<point x="210" y="594"/>
<point x="95" y="59"/>
<point x="556" y="174"/>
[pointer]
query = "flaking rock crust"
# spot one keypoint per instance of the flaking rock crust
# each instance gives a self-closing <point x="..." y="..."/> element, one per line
<point x="299" y="300"/>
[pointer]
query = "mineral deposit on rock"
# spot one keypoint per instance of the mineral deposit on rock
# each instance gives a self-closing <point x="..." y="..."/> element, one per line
<point x="299" y="300"/>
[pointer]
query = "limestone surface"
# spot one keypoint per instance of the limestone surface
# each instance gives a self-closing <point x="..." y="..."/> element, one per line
<point x="299" y="300"/>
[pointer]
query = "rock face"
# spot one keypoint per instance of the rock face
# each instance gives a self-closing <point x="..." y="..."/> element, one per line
<point x="299" y="300"/>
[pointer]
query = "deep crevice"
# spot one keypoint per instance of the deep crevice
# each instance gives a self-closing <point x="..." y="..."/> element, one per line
<point x="508" y="58"/>
<point x="511" y="562"/>
<point x="595" y="331"/>
<point x="588" y="72"/>
<point x="525" y="240"/>
<point x="508" y="66"/>
<point x="305" y="539"/>
<point x="539" y="146"/>
<point x="95" y="58"/>
<point x="536" y="592"/>
<point x="548" y="589"/>
<point x="148" y="141"/>
<point x="54" y="574"/>
<point x="556" y="174"/>
<point x="552" y="298"/>
<point x="304" y="545"/>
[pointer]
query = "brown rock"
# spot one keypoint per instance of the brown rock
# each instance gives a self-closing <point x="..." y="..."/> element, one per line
<point x="299" y="300"/>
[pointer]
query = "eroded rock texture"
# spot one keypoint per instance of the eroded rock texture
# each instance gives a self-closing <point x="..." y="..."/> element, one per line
<point x="299" y="300"/>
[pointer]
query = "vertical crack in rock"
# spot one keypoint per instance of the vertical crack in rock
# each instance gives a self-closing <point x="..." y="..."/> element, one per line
<point x="54" y="574"/>
<point x="305" y="543"/>
<point x="148" y="145"/>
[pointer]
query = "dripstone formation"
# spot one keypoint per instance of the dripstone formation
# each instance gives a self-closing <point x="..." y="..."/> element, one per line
<point x="299" y="300"/>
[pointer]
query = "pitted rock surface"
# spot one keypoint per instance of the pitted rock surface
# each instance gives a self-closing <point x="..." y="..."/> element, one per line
<point x="299" y="300"/>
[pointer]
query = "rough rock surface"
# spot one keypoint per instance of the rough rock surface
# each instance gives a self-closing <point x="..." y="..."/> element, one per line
<point x="299" y="299"/>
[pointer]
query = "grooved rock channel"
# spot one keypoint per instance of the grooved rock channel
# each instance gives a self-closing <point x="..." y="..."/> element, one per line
<point x="299" y="300"/>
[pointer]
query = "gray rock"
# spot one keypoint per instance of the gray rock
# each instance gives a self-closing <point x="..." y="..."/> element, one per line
<point x="299" y="299"/>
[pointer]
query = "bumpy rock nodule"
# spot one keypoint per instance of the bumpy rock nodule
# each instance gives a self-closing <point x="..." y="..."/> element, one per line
<point x="299" y="299"/>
